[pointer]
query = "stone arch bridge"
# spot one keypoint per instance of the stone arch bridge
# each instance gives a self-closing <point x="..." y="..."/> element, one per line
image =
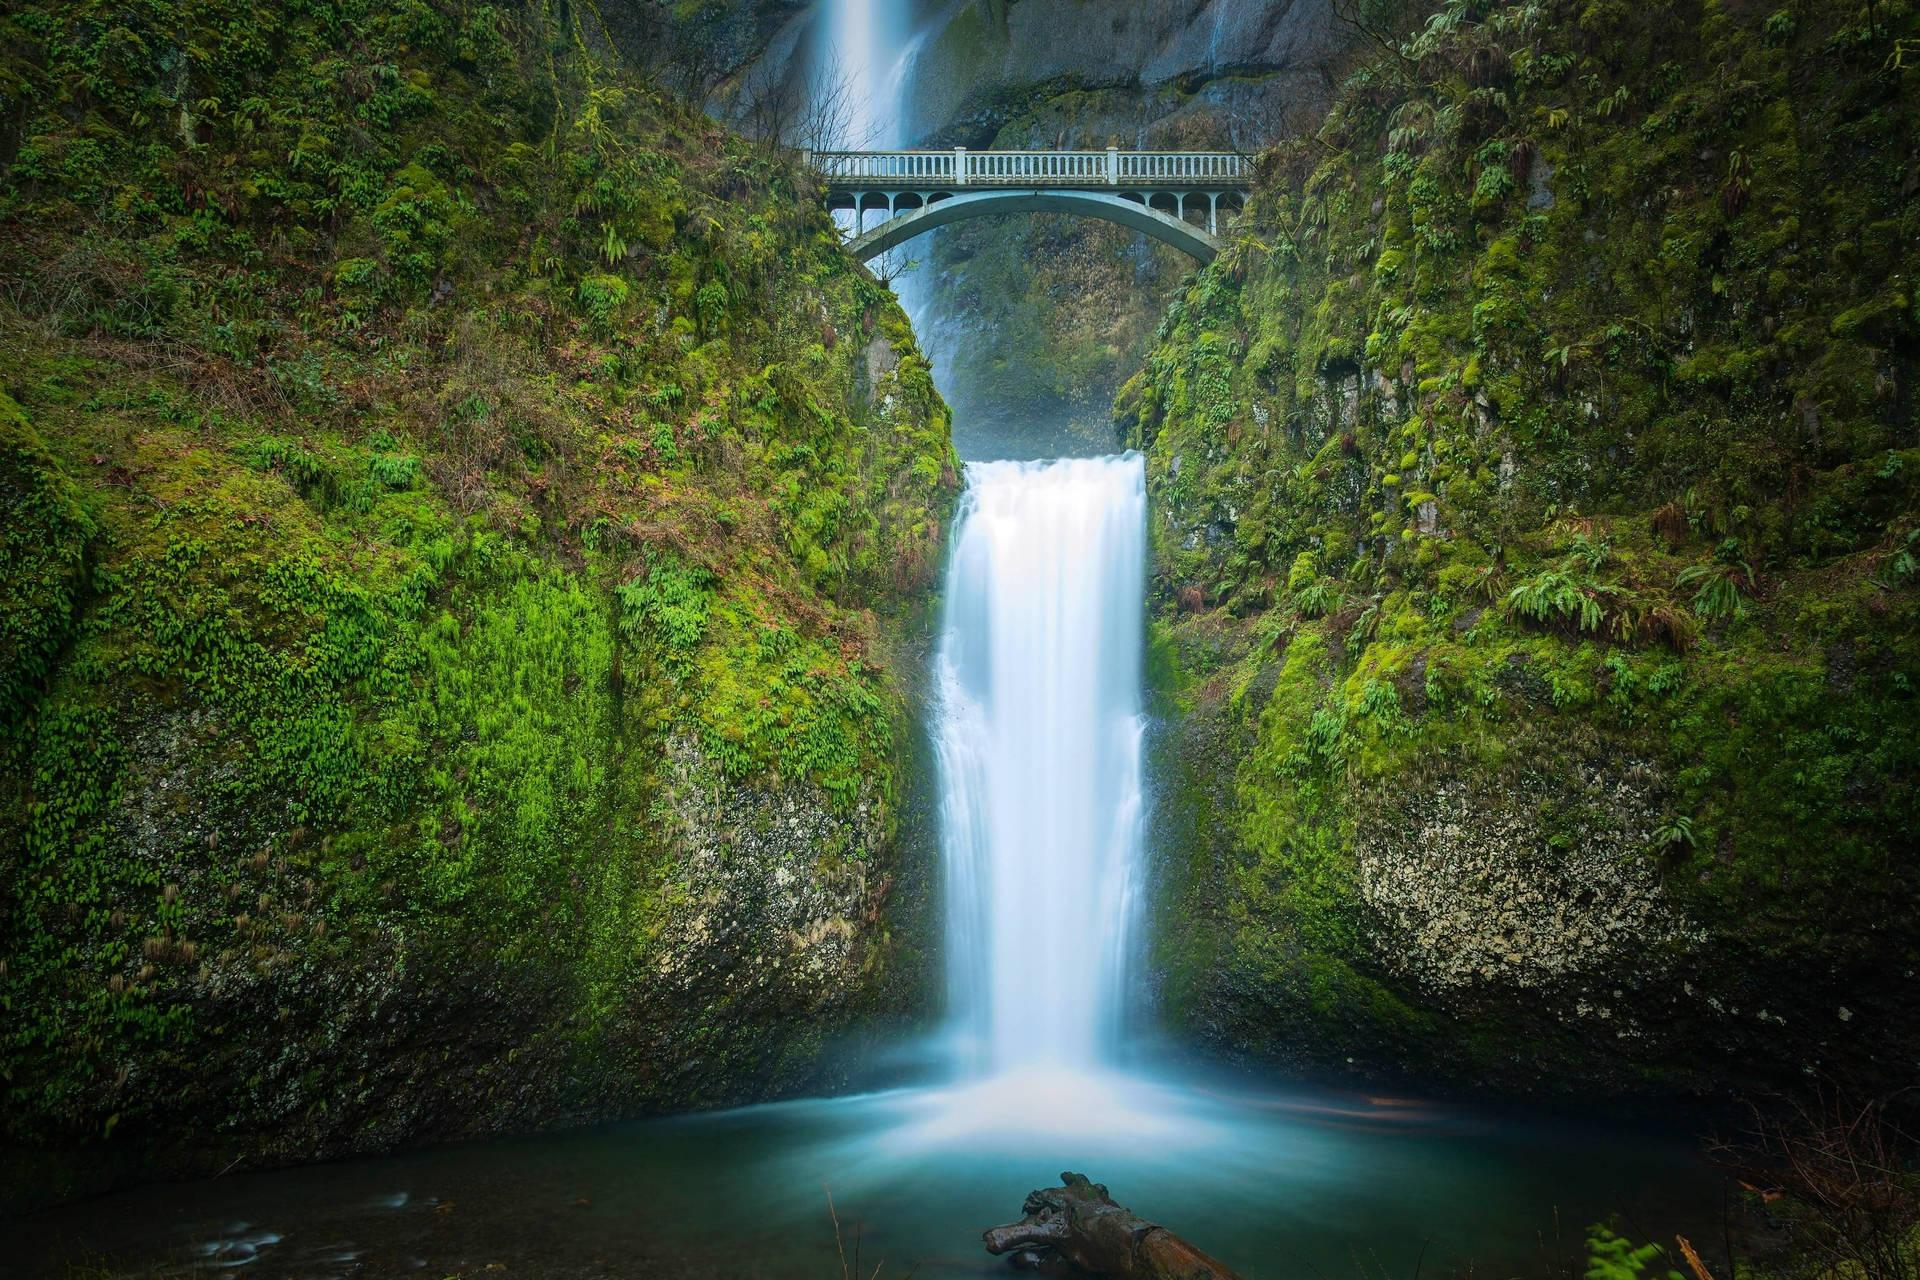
<point x="1179" y="197"/>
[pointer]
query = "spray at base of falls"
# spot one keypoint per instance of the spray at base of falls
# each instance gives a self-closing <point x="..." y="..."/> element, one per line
<point x="1039" y="744"/>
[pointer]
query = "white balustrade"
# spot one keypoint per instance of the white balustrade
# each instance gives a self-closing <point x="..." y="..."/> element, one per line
<point x="961" y="167"/>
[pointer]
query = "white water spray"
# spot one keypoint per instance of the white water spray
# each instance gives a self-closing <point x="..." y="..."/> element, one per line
<point x="1039" y="742"/>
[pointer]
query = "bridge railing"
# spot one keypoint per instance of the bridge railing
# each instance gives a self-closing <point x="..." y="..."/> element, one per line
<point x="876" y="166"/>
<point x="1077" y="167"/>
<point x="1184" y="166"/>
<point x="962" y="167"/>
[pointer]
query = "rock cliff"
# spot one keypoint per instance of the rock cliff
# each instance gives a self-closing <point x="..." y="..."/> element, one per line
<point x="466" y="542"/>
<point x="1536" y="619"/>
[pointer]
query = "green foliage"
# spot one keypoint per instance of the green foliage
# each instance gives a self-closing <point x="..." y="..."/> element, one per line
<point x="669" y="602"/>
<point x="1551" y="388"/>
<point x="1716" y="587"/>
<point x="781" y="701"/>
<point x="1675" y="831"/>
<point x="603" y="296"/>
<point x="1317" y="599"/>
<point x="421" y="416"/>
<point x="1560" y="595"/>
<point x="44" y="536"/>
<point x="1613" y="1257"/>
<point x="291" y="459"/>
<point x="1904" y="564"/>
<point x="1313" y="597"/>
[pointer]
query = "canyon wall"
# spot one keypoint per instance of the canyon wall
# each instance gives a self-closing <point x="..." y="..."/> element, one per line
<point x="467" y="540"/>
<point x="1537" y="622"/>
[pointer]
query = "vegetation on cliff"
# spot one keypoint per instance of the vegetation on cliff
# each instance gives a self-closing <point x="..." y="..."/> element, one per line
<point x="465" y="524"/>
<point x="1534" y="506"/>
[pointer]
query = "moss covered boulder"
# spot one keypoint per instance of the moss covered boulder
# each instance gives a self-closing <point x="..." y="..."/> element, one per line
<point x="467" y="535"/>
<point x="1537" y="622"/>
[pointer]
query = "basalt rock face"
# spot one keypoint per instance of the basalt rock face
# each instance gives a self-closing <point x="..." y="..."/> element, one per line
<point x="465" y="542"/>
<point x="1536" y="620"/>
<point x="983" y="58"/>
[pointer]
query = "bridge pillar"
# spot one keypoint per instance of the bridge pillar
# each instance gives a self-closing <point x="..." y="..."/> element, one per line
<point x="1213" y="213"/>
<point x="960" y="166"/>
<point x="1113" y="166"/>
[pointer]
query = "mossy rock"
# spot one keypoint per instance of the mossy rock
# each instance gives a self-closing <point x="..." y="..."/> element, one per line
<point x="1542" y="431"/>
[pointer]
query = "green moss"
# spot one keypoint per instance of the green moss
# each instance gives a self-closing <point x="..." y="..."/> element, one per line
<point x="439" y="463"/>
<point x="42" y="558"/>
<point x="1567" y="418"/>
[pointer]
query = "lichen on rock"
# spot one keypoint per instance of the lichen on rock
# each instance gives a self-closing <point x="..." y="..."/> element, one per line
<point x="774" y="874"/>
<point x="1521" y="880"/>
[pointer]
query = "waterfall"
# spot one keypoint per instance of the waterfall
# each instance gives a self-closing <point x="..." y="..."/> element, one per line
<point x="1039" y="744"/>
<point x="862" y="59"/>
<point x="864" y="55"/>
<point x="1039" y="728"/>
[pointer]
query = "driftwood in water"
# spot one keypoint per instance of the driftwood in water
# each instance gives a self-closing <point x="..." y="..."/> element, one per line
<point x="1077" y="1230"/>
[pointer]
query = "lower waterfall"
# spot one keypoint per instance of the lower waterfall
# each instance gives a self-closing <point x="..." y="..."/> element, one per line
<point x="1039" y="744"/>
<point x="1039" y="732"/>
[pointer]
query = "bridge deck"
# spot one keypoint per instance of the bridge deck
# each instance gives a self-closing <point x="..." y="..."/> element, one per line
<point x="1082" y="170"/>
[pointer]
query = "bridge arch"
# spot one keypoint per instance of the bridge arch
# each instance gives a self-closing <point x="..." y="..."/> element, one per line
<point x="940" y="208"/>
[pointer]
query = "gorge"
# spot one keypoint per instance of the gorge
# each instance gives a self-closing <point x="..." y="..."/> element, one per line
<point x="520" y="700"/>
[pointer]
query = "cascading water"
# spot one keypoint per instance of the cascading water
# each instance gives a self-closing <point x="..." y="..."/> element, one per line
<point x="860" y="68"/>
<point x="864" y="56"/>
<point x="1039" y="743"/>
<point x="1040" y="729"/>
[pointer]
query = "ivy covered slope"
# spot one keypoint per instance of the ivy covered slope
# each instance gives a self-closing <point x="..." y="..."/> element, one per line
<point x="1534" y="507"/>
<point x="465" y="529"/>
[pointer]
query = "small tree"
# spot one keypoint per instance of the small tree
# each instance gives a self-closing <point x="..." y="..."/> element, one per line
<point x="1841" y="1166"/>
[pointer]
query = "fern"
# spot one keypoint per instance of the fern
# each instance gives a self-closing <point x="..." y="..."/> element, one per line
<point x="1595" y="554"/>
<point x="1676" y="831"/>
<point x="1558" y="597"/>
<point x="1614" y="1257"/>
<point x="669" y="602"/>
<point x="1716" y="589"/>
<point x="1364" y="626"/>
<point x="393" y="471"/>
<point x="1317" y="599"/>
<point x="1903" y="565"/>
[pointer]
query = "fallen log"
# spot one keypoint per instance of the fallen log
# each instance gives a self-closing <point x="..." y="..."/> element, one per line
<point x="1077" y="1230"/>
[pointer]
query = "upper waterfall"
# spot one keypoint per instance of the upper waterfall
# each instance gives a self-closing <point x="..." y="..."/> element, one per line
<point x="861" y="66"/>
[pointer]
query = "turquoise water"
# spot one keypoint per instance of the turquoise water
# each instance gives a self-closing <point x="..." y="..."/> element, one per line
<point x="1278" y="1182"/>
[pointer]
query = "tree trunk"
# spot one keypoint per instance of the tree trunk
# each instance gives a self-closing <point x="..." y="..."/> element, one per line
<point x="1077" y="1230"/>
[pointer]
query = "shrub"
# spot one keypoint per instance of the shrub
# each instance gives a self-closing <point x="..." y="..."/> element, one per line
<point x="602" y="296"/>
